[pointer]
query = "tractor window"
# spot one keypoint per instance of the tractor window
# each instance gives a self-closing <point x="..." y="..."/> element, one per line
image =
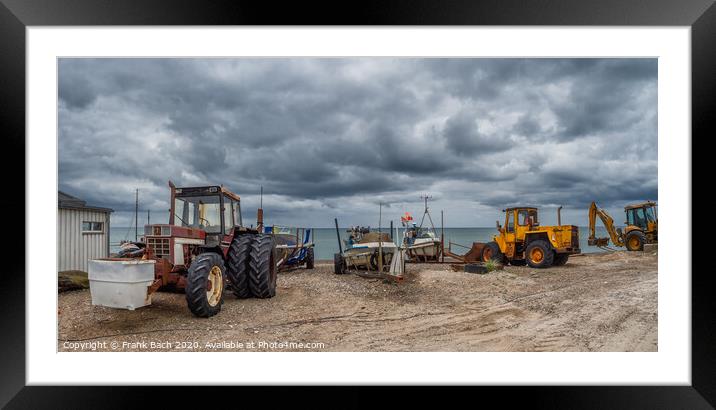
<point x="527" y="217"/>
<point x="198" y="212"/>
<point x="650" y="214"/>
<point x="638" y="217"/>
<point x="228" y="214"/>
<point x="237" y="214"/>
<point x="510" y="222"/>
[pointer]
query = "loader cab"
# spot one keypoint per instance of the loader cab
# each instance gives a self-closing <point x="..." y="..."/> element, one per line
<point x="642" y="216"/>
<point x="519" y="220"/>
<point x="212" y="209"/>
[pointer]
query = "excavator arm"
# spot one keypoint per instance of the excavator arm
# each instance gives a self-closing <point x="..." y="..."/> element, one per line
<point x="615" y="234"/>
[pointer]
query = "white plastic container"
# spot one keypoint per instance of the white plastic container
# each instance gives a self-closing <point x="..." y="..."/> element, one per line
<point x="120" y="283"/>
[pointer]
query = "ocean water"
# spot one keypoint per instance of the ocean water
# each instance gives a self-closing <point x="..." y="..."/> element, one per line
<point x="326" y="242"/>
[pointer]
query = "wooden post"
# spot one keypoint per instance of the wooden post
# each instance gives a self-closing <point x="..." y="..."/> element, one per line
<point x="442" y="236"/>
<point x="380" y="238"/>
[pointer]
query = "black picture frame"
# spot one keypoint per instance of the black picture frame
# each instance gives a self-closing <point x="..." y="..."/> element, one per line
<point x="16" y="15"/>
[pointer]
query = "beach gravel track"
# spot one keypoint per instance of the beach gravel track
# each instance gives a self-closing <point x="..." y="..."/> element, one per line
<point x="596" y="302"/>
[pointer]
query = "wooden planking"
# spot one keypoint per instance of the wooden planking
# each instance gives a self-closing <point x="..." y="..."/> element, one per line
<point x="73" y="247"/>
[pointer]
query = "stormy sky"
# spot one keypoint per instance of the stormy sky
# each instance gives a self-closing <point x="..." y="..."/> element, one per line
<point x="335" y="137"/>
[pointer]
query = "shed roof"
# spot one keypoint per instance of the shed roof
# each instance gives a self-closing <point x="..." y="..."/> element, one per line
<point x="67" y="201"/>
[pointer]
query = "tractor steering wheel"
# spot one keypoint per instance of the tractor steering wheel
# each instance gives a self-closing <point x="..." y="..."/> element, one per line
<point x="204" y="219"/>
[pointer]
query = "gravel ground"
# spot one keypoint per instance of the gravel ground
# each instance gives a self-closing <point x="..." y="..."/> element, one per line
<point x="597" y="302"/>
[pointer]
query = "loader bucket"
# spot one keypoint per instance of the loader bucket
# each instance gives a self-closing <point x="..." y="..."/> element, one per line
<point x="475" y="253"/>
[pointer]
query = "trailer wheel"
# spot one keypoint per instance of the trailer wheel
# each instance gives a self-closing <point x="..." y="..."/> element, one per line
<point x="205" y="284"/>
<point x="635" y="241"/>
<point x="339" y="264"/>
<point x="539" y="254"/>
<point x="492" y="251"/>
<point x="238" y="256"/>
<point x="309" y="258"/>
<point x="263" y="272"/>
<point x="560" y="259"/>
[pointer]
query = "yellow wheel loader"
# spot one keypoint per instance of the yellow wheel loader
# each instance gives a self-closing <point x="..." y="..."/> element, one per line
<point x="523" y="241"/>
<point x="641" y="226"/>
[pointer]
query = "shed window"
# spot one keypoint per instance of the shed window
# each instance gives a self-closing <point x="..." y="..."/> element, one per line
<point x="92" y="227"/>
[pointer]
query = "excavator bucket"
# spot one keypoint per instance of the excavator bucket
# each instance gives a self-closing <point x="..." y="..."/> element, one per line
<point x="598" y="242"/>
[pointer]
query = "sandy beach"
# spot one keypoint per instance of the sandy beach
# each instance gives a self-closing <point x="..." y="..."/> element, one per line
<point x="597" y="302"/>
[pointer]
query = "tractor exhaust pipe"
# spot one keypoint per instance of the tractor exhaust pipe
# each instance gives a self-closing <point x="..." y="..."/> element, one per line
<point x="260" y="212"/>
<point x="559" y="216"/>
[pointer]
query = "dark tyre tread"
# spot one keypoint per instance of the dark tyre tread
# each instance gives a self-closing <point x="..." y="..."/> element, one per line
<point x="497" y="255"/>
<point x="262" y="275"/>
<point x="339" y="266"/>
<point x="238" y="257"/>
<point x="638" y="234"/>
<point x="518" y="262"/>
<point x="309" y="258"/>
<point x="547" y="251"/>
<point x="560" y="259"/>
<point x="196" y="284"/>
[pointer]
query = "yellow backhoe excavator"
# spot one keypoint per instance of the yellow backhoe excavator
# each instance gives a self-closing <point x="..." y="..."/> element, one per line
<point x="641" y="226"/>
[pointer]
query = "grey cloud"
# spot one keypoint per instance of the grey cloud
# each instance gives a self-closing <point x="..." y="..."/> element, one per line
<point x="359" y="130"/>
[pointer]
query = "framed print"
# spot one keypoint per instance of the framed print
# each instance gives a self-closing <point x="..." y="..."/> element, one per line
<point x="412" y="194"/>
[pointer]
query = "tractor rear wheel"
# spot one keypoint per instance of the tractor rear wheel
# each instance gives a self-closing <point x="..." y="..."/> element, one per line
<point x="539" y="254"/>
<point x="339" y="264"/>
<point x="635" y="241"/>
<point x="309" y="258"/>
<point x="560" y="259"/>
<point x="205" y="284"/>
<point x="492" y="251"/>
<point x="263" y="272"/>
<point x="238" y="257"/>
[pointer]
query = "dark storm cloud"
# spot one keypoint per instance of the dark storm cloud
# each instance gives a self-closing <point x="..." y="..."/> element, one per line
<point x="345" y="134"/>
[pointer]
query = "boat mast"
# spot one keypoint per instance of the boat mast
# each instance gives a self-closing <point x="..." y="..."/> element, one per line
<point x="136" y="215"/>
<point x="426" y="212"/>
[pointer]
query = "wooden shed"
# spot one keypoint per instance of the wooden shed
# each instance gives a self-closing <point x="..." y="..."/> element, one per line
<point x="82" y="233"/>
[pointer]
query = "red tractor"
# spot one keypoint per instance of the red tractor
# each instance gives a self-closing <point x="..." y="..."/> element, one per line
<point x="204" y="244"/>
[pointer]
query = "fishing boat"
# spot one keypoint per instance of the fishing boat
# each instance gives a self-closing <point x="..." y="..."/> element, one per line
<point x="420" y="241"/>
<point x="294" y="246"/>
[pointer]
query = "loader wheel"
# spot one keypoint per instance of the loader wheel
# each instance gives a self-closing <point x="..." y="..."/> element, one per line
<point x="635" y="241"/>
<point x="238" y="257"/>
<point x="339" y="264"/>
<point x="560" y="259"/>
<point x="539" y="254"/>
<point x="309" y="258"/>
<point x="205" y="284"/>
<point x="492" y="251"/>
<point x="263" y="272"/>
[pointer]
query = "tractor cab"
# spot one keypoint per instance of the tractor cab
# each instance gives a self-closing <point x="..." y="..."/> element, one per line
<point x="642" y="216"/>
<point x="519" y="220"/>
<point x="212" y="209"/>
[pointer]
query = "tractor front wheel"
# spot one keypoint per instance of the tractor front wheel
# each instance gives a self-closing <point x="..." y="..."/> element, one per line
<point x="205" y="284"/>
<point x="539" y="254"/>
<point x="635" y="241"/>
<point x="238" y="257"/>
<point x="492" y="251"/>
<point x="263" y="272"/>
